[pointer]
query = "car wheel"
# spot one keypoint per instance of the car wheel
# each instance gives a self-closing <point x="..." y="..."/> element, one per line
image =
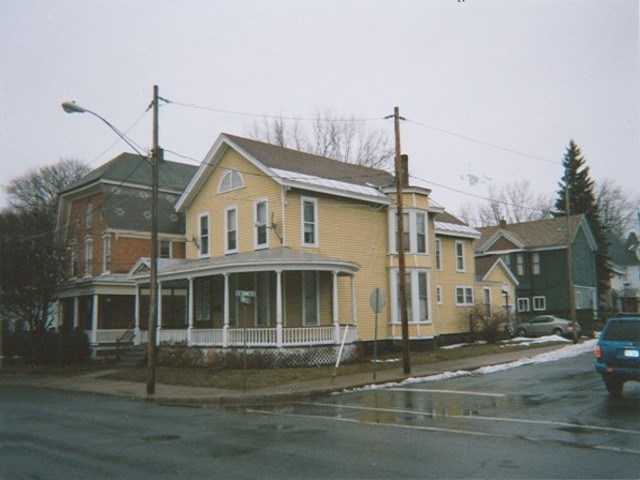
<point x="614" y="386"/>
<point x="521" y="332"/>
<point x="558" y="331"/>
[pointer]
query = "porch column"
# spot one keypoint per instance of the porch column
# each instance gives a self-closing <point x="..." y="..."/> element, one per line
<point x="190" y="311"/>
<point x="279" y="308"/>
<point x="336" y="319"/>
<point x="159" y="313"/>
<point x="136" y="329"/>
<point x="225" y="312"/>
<point x="94" y="320"/>
<point x="76" y="312"/>
<point x="354" y="310"/>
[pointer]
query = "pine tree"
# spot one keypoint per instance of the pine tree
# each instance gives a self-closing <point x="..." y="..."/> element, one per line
<point x="582" y="200"/>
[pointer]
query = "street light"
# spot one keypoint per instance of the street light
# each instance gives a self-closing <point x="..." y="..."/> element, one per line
<point x="156" y="153"/>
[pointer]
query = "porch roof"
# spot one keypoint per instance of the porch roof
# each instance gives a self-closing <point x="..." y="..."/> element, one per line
<point x="282" y="258"/>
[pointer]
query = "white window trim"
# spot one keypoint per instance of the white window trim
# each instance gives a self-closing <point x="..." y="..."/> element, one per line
<point x="411" y="227"/>
<point x="414" y="295"/>
<point x="519" y="264"/>
<point x="201" y="241"/>
<point x="535" y="260"/>
<point x="231" y="175"/>
<point x="465" y="289"/>
<point x="88" y="256"/>
<point x="257" y="224"/>
<point x="523" y="304"/>
<point x="439" y="296"/>
<point x="439" y="254"/>
<point x="106" y="242"/>
<point x="541" y="298"/>
<point x="316" y="222"/>
<point x="458" y="257"/>
<point x="232" y="208"/>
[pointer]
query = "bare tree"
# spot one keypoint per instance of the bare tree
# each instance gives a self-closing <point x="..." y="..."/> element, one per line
<point x="513" y="202"/>
<point x="31" y="257"/>
<point x="38" y="189"/>
<point x="329" y="134"/>
<point x="618" y="209"/>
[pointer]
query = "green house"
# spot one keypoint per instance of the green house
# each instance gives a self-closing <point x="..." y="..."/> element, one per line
<point x="536" y="253"/>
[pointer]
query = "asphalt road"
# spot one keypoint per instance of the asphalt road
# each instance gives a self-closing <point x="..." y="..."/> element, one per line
<point x="552" y="420"/>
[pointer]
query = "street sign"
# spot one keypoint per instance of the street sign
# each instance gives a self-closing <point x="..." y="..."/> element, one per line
<point x="377" y="300"/>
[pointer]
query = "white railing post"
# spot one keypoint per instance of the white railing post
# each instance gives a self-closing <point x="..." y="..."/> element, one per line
<point x="94" y="319"/>
<point x="336" y="322"/>
<point x="159" y="313"/>
<point x="136" y="329"/>
<point x="190" y="312"/>
<point x="279" y="333"/>
<point x="225" y="314"/>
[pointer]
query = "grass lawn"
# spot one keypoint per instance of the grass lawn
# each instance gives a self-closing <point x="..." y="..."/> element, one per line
<point x="237" y="379"/>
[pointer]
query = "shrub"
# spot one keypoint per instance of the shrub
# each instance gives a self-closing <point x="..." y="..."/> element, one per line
<point x="488" y="326"/>
<point x="47" y="348"/>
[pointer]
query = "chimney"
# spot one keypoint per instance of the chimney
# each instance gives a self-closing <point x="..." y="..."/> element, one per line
<point x="404" y="169"/>
<point x="503" y="223"/>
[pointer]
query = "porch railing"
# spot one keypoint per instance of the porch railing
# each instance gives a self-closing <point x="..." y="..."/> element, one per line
<point x="252" y="337"/>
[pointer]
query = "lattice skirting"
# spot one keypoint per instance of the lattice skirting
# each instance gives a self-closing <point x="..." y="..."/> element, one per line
<point x="181" y="355"/>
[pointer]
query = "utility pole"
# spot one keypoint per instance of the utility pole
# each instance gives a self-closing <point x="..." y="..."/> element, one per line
<point x="156" y="155"/>
<point x="402" y="270"/>
<point x="572" y="297"/>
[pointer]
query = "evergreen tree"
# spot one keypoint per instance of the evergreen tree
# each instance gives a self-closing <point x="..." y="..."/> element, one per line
<point x="582" y="200"/>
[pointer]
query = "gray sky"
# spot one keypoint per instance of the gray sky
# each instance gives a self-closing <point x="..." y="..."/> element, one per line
<point x="525" y="76"/>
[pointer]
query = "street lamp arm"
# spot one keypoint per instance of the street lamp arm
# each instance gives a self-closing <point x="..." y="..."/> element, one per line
<point x="73" y="107"/>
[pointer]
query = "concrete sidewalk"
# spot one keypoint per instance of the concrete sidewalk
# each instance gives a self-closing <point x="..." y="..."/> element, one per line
<point x="203" y="396"/>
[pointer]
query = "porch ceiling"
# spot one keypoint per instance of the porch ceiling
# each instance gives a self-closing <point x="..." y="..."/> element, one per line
<point x="282" y="258"/>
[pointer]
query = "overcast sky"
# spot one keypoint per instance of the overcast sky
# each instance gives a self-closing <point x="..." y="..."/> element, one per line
<point x="492" y="90"/>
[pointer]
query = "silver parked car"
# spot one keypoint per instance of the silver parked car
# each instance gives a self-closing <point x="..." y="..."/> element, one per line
<point x="546" y="325"/>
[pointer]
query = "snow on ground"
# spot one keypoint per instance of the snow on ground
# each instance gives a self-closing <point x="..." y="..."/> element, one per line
<point x="567" y="351"/>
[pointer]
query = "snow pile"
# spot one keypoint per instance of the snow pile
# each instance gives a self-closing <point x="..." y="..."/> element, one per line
<point x="568" y="351"/>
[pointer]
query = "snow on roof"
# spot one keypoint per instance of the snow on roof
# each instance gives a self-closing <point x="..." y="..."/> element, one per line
<point x="330" y="184"/>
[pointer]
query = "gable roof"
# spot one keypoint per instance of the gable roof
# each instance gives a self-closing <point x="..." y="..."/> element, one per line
<point x="487" y="264"/>
<point x="536" y="235"/>
<point x="294" y="169"/>
<point x="618" y="253"/>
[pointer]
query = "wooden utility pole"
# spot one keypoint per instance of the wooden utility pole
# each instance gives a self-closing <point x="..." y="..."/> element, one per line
<point x="402" y="271"/>
<point x="572" y="297"/>
<point x="156" y="155"/>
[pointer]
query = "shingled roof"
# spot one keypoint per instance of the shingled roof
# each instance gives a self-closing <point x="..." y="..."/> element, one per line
<point x="294" y="169"/>
<point x="536" y="234"/>
<point x="133" y="169"/>
<point x="125" y="182"/>
<point x="282" y="158"/>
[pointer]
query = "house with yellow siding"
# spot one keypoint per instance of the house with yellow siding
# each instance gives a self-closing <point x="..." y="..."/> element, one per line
<point x="285" y="248"/>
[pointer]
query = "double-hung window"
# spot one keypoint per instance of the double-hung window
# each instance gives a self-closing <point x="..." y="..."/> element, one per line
<point x="88" y="257"/>
<point x="414" y="232"/>
<point x="523" y="304"/>
<point x="438" y="254"/>
<point x="519" y="264"/>
<point x="464" y="296"/>
<point x="539" y="303"/>
<point x="421" y="232"/>
<point x="231" y="227"/>
<point x="203" y="234"/>
<point x="460" y="256"/>
<point x="535" y="260"/>
<point x="106" y="253"/>
<point x="261" y="213"/>
<point x="309" y="222"/>
<point x="417" y="295"/>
